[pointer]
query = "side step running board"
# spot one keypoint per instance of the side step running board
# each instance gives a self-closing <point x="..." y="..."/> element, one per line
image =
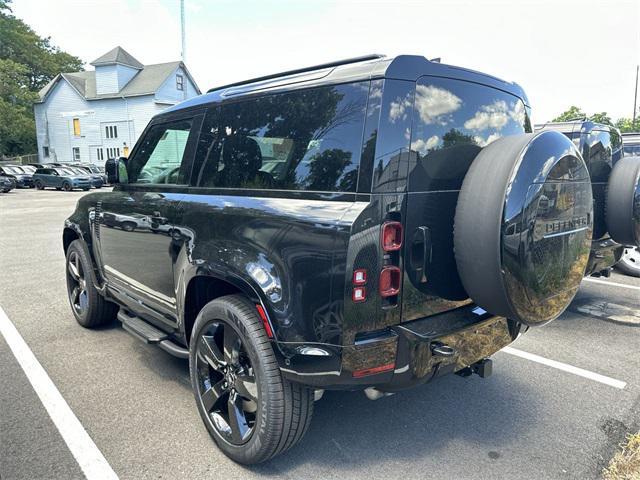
<point x="150" y="334"/>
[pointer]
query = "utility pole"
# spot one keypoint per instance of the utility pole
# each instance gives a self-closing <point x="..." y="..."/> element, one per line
<point x="182" y="32"/>
<point x="635" y="97"/>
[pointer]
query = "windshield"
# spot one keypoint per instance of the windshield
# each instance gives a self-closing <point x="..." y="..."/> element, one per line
<point x="65" y="171"/>
<point x="28" y="168"/>
<point x="13" y="170"/>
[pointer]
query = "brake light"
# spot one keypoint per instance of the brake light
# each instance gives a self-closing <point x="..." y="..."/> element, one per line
<point x="391" y="236"/>
<point x="389" y="281"/>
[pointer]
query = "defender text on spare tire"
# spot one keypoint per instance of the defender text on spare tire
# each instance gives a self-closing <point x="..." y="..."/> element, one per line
<point x="536" y="189"/>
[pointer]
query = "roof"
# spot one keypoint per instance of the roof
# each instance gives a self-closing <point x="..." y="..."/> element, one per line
<point x="146" y="82"/>
<point x="118" y="56"/>
<point x="402" y="67"/>
<point x="582" y="126"/>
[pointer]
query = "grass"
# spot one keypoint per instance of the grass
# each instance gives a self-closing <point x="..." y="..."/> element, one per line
<point x="625" y="464"/>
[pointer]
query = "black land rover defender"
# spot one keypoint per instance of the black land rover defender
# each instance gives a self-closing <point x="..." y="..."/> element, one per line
<point x="601" y="148"/>
<point x="366" y="224"/>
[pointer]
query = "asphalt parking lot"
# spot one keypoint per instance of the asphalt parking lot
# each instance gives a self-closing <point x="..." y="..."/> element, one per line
<point x="528" y="420"/>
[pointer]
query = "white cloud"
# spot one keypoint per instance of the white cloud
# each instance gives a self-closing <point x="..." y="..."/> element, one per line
<point x="422" y="146"/>
<point x="517" y="112"/>
<point x="489" y="116"/>
<point x="435" y="104"/>
<point x="482" y="142"/>
<point x="398" y="108"/>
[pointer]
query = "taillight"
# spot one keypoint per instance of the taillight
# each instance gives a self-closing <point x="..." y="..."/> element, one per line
<point x="359" y="292"/>
<point x="391" y="236"/>
<point x="389" y="284"/>
<point x="360" y="277"/>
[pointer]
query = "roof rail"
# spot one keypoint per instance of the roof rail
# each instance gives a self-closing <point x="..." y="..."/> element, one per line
<point x="301" y="70"/>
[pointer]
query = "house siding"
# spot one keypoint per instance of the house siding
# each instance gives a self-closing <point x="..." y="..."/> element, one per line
<point x="54" y="123"/>
<point x="168" y="91"/>
<point x="54" y="118"/>
<point x="112" y="78"/>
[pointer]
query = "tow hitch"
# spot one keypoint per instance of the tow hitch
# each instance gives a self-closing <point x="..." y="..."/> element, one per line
<point x="482" y="368"/>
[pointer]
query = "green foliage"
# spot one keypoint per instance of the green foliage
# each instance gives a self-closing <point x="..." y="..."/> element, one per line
<point x="573" y="113"/>
<point x="27" y="63"/>
<point x="626" y="125"/>
<point x="601" y="117"/>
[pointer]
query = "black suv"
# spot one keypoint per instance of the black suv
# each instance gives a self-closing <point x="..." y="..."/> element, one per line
<point x="366" y="224"/>
<point x="601" y="148"/>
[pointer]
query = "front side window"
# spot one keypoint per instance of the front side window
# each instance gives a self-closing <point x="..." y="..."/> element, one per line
<point x="452" y="121"/>
<point x="305" y="140"/>
<point x="161" y="154"/>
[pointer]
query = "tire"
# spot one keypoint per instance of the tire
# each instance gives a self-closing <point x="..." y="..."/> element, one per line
<point x="89" y="307"/>
<point x="629" y="263"/>
<point x="66" y="186"/>
<point x="128" y="226"/>
<point x="623" y="202"/>
<point x="523" y="226"/>
<point x="39" y="185"/>
<point x="283" y="410"/>
<point x="85" y="189"/>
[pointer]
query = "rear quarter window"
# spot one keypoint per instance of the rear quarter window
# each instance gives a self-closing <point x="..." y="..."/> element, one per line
<point x="452" y="121"/>
<point x="303" y="140"/>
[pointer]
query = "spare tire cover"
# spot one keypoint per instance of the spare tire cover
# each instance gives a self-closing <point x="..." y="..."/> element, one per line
<point x="623" y="202"/>
<point x="523" y="226"/>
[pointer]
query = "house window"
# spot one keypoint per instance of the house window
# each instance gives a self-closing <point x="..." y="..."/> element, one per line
<point x="125" y="151"/>
<point x="113" y="152"/>
<point x="76" y="127"/>
<point x="179" y="82"/>
<point x="45" y="152"/>
<point x="100" y="153"/>
<point x="111" y="131"/>
<point x="76" y="154"/>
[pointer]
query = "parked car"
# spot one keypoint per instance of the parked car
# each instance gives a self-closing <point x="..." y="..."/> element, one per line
<point x="61" y="179"/>
<point x="95" y="170"/>
<point x="601" y="148"/>
<point x="30" y="169"/>
<point x="6" y="184"/>
<point x="368" y="224"/>
<point x="96" y="179"/>
<point x="21" y="178"/>
<point x="631" y="144"/>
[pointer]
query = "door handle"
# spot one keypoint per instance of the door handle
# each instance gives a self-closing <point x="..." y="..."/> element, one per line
<point x="420" y="255"/>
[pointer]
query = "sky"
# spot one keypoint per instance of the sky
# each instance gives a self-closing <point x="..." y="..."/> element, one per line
<point x="562" y="52"/>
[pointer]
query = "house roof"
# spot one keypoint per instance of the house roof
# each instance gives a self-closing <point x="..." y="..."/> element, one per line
<point x="146" y="82"/>
<point x="118" y="55"/>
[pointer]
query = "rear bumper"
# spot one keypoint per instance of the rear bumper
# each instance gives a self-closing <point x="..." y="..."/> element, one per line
<point x="406" y="350"/>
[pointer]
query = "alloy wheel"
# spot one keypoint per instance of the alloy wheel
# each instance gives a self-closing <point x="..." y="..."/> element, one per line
<point x="227" y="388"/>
<point x="77" y="284"/>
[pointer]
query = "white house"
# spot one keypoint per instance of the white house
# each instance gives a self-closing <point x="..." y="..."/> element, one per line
<point x="94" y="115"/>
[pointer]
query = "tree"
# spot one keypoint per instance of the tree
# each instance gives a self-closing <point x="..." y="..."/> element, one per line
<point x="27" y="63"/>
<point x="626" y="125"/>
<point x="572" y="113"/>
<point x="601" y="117"/>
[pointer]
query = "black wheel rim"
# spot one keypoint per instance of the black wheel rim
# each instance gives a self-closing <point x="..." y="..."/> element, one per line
<point x="77" y="284"/>
<point x="227" y="388"/>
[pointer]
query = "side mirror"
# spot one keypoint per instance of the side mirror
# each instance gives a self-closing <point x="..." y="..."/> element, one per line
<point x="116" y="170"/>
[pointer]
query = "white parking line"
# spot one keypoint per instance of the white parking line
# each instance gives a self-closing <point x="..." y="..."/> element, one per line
<point x="613" y="284"/>
<point x="612" y="382"/>
<point x="86" y="453"/>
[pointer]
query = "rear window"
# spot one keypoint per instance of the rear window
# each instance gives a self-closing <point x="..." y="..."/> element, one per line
<point x="452" y="121"/>
<point x="305" y="140"/>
